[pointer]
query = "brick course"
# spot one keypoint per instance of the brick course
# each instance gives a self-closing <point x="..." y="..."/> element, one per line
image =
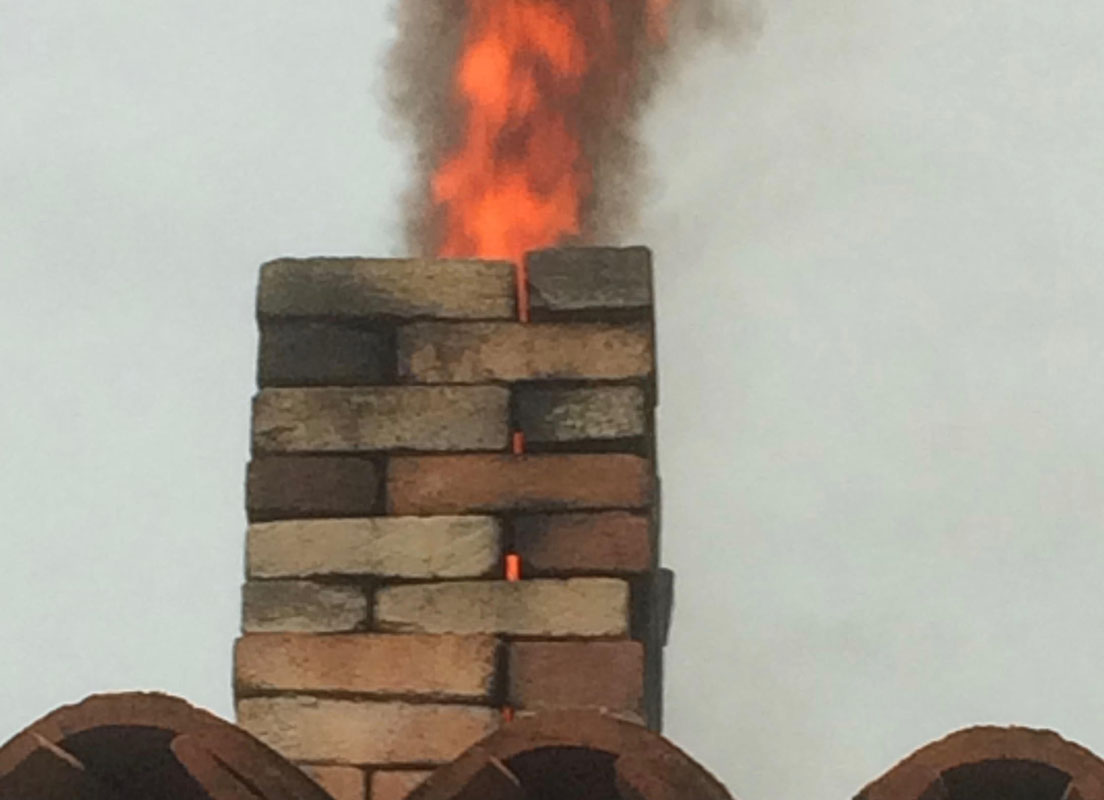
<point x="323" y="352"/>
<point x="607" y="542"/>
<point x="441" y="352"/>
<point x="550" y="481"/>
<point x="397" y="547"/>
<point x="326" y="420"/>
<point x="546" y="675"/>
<point x="572" y="607"/>
<point x="293" y="487"/>
<point x="575" y="414"/>
<point x="431" y="667"/>
<point x="365" y="732"/>
<point x="574" y="279"/>
<point x="301" y="606"/>
<point x="375" y="287"/>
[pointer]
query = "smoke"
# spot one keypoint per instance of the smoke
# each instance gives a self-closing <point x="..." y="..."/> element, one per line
<point x="625" y="70"/>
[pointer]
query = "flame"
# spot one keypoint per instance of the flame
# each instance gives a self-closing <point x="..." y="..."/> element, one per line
<point x="519" y="178"/>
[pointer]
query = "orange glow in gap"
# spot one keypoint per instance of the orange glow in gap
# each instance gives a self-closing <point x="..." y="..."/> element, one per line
<point x="517" y="444"/>
<point x="513" y="567"/>
<point x="507" y="714"/>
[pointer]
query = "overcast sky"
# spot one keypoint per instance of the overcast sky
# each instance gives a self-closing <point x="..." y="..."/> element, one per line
<point x="878" y="240"/>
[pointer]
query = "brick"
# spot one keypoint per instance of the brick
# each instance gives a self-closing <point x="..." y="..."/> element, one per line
<point x="375" y="287"/>
<point x="301" y="606"/>
<point x="291" y="487"/>
<point x="574" y="279"/>
<point x="432" y="667"/>
<point x="345" y="420"/>
<point x="365" y="732"/>
<point x="395" y="547"/>
<point x="396" y="784"/>
<point x="538" y="482"/>
<point x="575" y="414"/>
<point x="343" y="783"/>
<point x="563" y="544"/>
<point x="441" y="352"/>
<point x="323" y="353"/>
<point x="572" y="607"/>
<point x="547" y="675"/>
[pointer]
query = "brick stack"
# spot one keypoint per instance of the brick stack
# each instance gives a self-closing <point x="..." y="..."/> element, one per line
<point x="380" y="635"/>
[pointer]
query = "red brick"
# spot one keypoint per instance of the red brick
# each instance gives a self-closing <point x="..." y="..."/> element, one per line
<point x="566" y="544"/>
<point x="546" y="675"/>
<point x="540" y="482"/>
<point x="480" y="352"/>
<point x="343" y="783"/>
<point x="295" y="487"/>
<point x="432" y="667"/>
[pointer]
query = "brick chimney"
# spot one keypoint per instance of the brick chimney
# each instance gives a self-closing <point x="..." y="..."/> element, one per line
<point x="453" y="514"/>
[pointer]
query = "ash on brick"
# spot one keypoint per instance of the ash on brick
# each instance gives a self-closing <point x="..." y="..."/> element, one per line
<point x="301" y="607"/>
<point x="613" y="542"/>
<point x="324" y="353"/>
<point x="580" y="413"/>
<point x="373" y="288"/>
<point x="567" y="280"/>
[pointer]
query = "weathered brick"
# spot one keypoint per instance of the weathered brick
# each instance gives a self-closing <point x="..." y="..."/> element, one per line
<point x="343" y="783"/>
<point x="433" y="667"/>
<point x="574" y="414"/>
<point x="396" y="784"/>
<point x="373" y="287"/>
<point x="301" y="606"/>
<point x="563" y="544"/>
<point x="538" y="482"/>
<point x="291" y="487"/>
<point x="398" y="547"/>
<point x="546" y="675"/>
<point x="572" y="607"/>
<point x="342" y="420"/>
<point x="574" y="279"/>
<point x="323" y="353"/>
<point x="365" y="732"/>
<point x="478" y="352"/>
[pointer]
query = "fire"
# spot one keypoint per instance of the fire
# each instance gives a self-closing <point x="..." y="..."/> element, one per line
<point x="532" y="80"/>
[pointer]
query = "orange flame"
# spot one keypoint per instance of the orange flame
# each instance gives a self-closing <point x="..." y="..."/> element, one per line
<point x="519" y="179"/>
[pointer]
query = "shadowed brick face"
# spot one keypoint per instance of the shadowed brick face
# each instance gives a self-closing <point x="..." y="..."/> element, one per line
<point x="408" y="434"/>
<point x="293" y="487"/>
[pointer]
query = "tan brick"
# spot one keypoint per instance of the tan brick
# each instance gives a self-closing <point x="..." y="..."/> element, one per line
<point x="556" y="414"/>
<point x="301" y="606"/>
<point x="370" y="287"/>
<point x="396" y="784"/>
<point x="572" y="607"/>
<point x="352" y="732"/>
<point x="564" y="544"/>
<point x="343" y="783"/>
<point x="547" y="675"/>
<point x="347" y="420"/>
<point x="436" y="352"/>
<point x="397" y="547"/>
<point x="539" y="482"/>
<point x="432" y="667"/>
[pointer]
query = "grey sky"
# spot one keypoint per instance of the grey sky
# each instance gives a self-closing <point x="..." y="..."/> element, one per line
<point x="878" y="244"/>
